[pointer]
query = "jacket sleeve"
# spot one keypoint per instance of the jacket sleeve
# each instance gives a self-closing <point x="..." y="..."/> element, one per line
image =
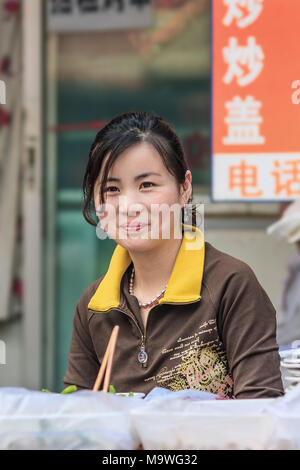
<point x="83" y="365"/>
<point x="247" y="324"/>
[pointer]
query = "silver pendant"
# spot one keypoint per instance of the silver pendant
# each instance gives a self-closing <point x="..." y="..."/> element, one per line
<point x="142" y="356"/>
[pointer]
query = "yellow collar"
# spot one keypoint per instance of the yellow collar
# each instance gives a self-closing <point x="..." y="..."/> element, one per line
<point x="184" y="284"/>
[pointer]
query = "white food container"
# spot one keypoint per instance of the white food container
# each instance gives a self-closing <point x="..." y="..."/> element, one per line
<point x="202" y="425"/>
<point x="52" y="421"/>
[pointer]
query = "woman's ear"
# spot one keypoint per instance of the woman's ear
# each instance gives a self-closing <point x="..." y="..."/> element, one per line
<point x="186" y="189"/>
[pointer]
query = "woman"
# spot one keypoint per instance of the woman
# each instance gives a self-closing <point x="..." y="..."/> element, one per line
<point x="190" y="316"/>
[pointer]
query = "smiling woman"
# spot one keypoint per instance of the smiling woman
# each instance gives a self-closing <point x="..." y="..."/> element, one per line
<point x="190" y="316"/>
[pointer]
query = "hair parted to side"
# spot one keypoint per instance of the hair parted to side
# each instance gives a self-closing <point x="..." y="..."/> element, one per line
<point x="119" y="134"/>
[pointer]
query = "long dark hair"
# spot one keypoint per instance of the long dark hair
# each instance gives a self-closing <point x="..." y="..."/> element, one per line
<point x="122" y="132"/>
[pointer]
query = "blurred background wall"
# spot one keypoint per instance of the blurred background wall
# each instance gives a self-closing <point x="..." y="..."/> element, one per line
<point x="72" y="83"/>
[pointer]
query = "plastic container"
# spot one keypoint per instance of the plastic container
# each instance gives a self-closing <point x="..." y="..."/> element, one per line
<point x="202" y="425"/>
<point x="80" y="420"/>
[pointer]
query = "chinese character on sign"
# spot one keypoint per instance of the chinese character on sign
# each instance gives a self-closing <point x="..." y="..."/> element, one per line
<point x="244" y="176"/>
<point x="140" y="3"/>
<point x="236" y="11"/>
<point x="87" y="6"/>
<point x="61" y="6"/>
<point x="110" y="3"/>
<point x="250" y="56"/>
<point x="289" y="183"/>
<point x="243" y="121"/>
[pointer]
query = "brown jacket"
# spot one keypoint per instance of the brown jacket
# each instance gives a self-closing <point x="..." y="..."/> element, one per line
<point x="213" y="330"/>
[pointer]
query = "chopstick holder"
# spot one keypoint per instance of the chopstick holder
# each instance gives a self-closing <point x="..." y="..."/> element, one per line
<point x="107" y="361"/>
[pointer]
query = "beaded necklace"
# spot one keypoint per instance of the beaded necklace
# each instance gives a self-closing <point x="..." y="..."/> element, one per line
<point x="144" y="304"/>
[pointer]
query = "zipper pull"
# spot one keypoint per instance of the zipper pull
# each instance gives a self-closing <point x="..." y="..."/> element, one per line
<point x="143" y="356"/>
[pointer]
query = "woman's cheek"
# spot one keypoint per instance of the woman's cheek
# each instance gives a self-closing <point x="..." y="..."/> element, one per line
<point x="169" y="197"/>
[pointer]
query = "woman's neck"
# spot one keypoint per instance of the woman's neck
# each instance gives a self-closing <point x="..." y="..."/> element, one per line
<point x="152" y="269"/>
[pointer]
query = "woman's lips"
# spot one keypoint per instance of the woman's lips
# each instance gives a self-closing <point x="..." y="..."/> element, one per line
<point x="133" y="227"/>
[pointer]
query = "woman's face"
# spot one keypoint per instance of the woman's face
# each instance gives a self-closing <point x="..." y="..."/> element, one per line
<point x="141" y="191"/>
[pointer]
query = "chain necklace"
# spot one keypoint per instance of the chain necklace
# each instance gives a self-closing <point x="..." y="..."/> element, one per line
<point x="144" y="304"/>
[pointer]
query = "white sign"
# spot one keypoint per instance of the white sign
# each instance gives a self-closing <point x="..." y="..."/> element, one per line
<point x="98" y="15"/>
<point x="267" y="176"/>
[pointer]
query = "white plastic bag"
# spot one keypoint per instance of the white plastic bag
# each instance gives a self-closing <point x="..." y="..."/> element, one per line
<point x="79" y="420"/>
<point x="187" y="424"/>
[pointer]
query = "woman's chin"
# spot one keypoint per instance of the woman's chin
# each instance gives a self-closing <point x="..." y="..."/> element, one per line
<point x="135" y="242"/>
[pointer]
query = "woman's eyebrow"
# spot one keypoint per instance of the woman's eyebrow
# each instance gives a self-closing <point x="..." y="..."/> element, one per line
<point x="138" y="177"/>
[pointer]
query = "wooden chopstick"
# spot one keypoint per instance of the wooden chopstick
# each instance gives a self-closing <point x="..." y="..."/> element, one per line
<point x="108" y="354"/>
<point x="114" y="337"/>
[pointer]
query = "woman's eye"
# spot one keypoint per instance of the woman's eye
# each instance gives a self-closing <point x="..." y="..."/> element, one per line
<point x="148" y="182"/>
<point x="110" y="187"/>
<point x="113" y="189"/>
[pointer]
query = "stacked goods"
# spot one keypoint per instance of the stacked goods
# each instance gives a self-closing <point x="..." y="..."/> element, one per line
<point x="291" y="366"/>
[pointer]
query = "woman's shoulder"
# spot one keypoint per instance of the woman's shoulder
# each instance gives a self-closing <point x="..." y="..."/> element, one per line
<point x="231" y="281"/>
<point x="224" y="272"/>
<point x="217" y="261"/>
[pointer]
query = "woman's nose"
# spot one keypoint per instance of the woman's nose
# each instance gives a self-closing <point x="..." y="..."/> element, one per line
<point x="129" y="203"/>
<point x="131" y="207"/>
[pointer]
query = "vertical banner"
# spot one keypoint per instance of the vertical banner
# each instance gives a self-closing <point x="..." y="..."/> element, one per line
<point x="255" y="100"/>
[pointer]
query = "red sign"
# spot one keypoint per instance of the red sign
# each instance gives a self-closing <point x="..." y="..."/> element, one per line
<point x="256" y="119"/>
